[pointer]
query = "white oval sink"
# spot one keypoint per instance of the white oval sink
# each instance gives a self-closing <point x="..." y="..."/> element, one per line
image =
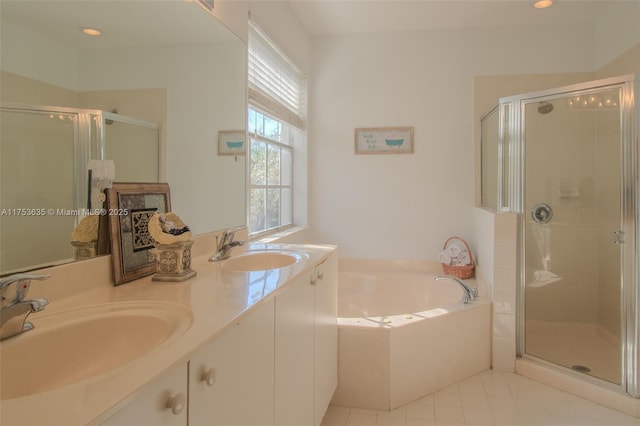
<point x="261" y="260"/>
<point x="78" y="344"/>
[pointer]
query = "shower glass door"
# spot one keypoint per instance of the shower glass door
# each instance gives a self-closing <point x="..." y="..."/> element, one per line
<point x="37" y="178"/>
<point x="572" y="230"/>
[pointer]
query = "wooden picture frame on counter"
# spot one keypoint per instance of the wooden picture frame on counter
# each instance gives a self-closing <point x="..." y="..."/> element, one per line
<point x="129" y="208"/>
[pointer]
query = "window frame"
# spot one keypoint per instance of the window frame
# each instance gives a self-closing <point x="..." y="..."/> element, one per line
<point x="276" y="89"/>
<point x="255" y="136"/>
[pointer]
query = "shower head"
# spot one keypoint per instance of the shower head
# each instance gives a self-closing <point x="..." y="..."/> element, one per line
<point x="545" y="107"/>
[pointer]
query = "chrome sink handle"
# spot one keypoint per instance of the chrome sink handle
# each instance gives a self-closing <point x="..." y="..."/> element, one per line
<point x="13" y="318"/>
<point x="22" y="286"/>
<point x="14" y="311"/>
<point x="225" y="244"/>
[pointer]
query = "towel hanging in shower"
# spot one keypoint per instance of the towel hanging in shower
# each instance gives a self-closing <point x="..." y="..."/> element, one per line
<point x="544" y="276"/>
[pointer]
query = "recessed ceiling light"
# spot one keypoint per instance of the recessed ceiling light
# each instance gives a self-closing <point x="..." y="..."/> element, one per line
<point x="91" y="31"/>
<point x="542" y="4"/>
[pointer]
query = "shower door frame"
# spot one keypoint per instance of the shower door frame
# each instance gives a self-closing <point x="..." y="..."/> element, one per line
<point x="511" y="199"/>
<point x="83" y="149"/>
<point x="87" y="147"/>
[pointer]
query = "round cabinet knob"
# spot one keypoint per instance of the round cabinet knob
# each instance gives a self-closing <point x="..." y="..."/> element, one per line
<point x="209" y="377"/>
<point x="177" y="403"/>
<point x="320" y="275"/>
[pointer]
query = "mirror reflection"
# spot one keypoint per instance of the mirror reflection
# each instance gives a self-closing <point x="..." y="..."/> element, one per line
<point x="152" y="93"/>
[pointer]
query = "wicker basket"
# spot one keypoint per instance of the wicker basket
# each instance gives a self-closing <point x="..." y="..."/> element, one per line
<point x="459" y="271"/>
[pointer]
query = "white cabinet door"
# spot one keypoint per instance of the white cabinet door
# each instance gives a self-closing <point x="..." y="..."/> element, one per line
<point x="162" y="403"/>
<point x="294" y="353"/>
<point x="326" y="335"/>
<point x="231" y="380"/>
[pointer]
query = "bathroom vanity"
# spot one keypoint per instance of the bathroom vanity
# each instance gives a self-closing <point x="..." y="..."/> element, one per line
<point x="236" y="345"/>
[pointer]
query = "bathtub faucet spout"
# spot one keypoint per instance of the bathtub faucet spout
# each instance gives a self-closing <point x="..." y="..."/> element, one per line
<point x="470" y="293"/>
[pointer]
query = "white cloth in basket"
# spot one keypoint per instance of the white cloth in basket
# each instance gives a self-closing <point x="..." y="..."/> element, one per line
<point x="455" y="253"/>
<point x="463" y="258"/>
<point x="455" y="248"/>
<point x="444" y="257"/>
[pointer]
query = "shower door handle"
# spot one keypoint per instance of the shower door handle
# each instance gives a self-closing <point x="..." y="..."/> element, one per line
<point x="618" y="237"/>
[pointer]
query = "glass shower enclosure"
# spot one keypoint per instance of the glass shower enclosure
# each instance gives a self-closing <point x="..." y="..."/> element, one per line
<point x="44" y="152"/>
<point x="568" y="165"/>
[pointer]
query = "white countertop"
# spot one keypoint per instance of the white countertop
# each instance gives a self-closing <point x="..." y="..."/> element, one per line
<point x="216" y="299"/>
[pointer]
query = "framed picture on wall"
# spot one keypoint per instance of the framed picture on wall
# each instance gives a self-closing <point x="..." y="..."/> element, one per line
<point x="129" y="208"/>
<point x="384" y="140"/>
<point x="232" y="142"/>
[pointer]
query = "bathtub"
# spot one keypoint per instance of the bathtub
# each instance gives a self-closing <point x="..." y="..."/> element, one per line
<point x="402" y="335"/>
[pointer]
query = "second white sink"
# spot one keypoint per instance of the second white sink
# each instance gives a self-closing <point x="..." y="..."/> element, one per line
<point x="261" y="260"/>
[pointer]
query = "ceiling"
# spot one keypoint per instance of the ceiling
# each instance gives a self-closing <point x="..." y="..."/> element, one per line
<point x="329" y="17"/>
<point x="124" y="24"/>
<point x="120" y="20"/>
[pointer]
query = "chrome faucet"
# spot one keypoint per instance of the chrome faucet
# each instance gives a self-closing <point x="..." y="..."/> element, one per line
<point x="470" y="293"/>
<point x="224" y="245"/>
<point x="14" y="309"/>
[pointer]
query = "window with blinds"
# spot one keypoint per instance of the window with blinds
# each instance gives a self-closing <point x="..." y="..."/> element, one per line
<point x="276" y="85"/>
<point x="277" y="106"/>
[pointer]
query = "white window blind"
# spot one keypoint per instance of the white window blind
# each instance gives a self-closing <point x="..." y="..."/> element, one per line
<point x="276" y="85"/>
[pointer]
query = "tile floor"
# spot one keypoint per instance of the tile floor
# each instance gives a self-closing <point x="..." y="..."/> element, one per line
<point x="489" y="398"/>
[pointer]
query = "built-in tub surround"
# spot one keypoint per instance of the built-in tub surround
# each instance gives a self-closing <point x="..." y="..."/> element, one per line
<point x="215" y="300"/>
<point x="403" y="335"/>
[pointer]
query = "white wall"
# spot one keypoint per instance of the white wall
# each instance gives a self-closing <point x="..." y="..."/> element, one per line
<point x="53" y="62"/>
<point x="617" y="31"/>
<point x="278" y="20"/>
<point x="206" y="188"/>
<point x="406" y="206"/>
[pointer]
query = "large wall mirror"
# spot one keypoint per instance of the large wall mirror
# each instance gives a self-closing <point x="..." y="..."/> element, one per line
<point x="152" y="92"/>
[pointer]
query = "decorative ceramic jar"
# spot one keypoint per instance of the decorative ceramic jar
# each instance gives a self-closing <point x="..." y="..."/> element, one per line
<point x="174" y="261"/>
<point x="172" y="247"/>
